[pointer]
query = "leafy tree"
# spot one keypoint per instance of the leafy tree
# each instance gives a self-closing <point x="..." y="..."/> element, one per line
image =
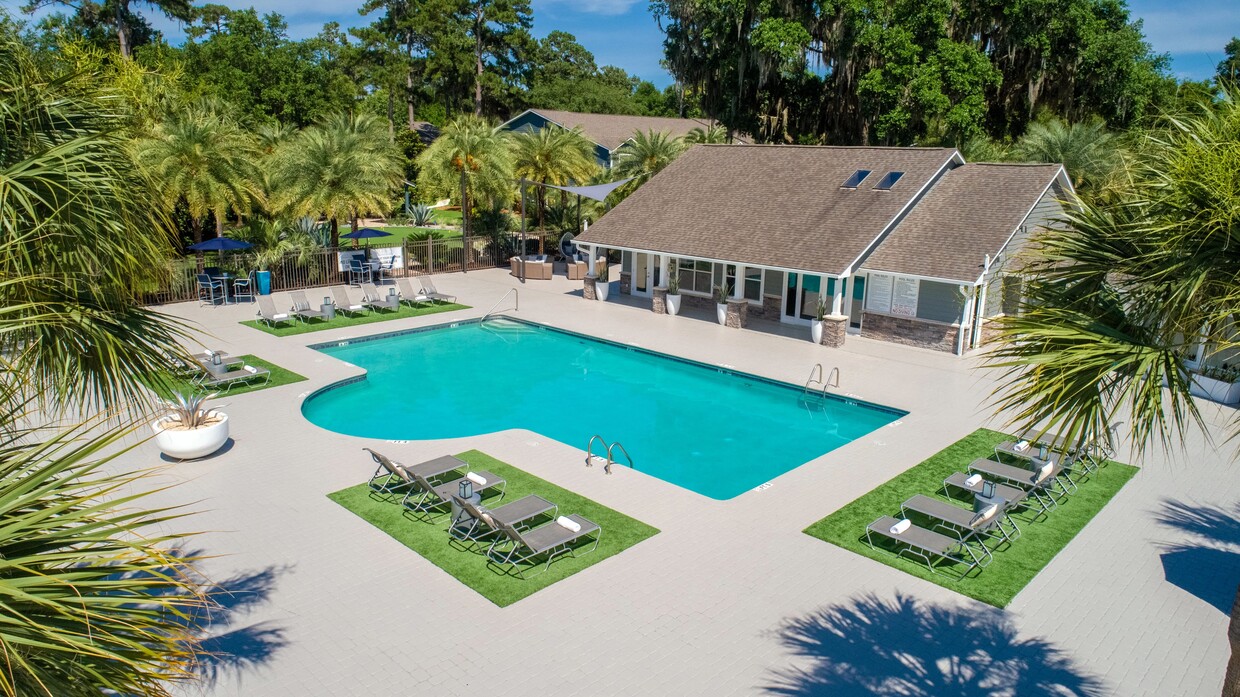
<point x="643" y="156"/>
<point x="343" y="166"/>
<point x="498" y="30"/>
<point x="471" y="156"/>
<point x="707" y="134"/>
<point x="552" y="156"/>
<point x="91" y="18"/>
<point x="399" y="38"/>
<point x="1087" y="150"/>
<point x="1229" y="68"/>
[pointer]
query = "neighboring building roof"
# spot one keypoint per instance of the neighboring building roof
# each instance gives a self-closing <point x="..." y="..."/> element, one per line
<point x="426" y="130"/>
<point x="972" y="211"/>
<point x="770" y="205"/>
<point x="612" y="130"/>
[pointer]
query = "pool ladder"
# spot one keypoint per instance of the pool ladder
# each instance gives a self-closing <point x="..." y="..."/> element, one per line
<point x="516" y="303"/>
<point x="610" y="450"/>
<point x="833" y="380"/>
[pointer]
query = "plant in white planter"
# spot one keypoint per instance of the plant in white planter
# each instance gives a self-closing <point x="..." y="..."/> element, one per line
<point x="673" y="288"/>
<point x="188" y="429"/>
<point x="1219" y="383"/>
<point x="815" y="325"/>
<point x="600" y="280"/>
<point x="721" y="304"/>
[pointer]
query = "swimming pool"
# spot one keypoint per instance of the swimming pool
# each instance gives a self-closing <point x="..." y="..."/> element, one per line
<point x="710" y="430"/>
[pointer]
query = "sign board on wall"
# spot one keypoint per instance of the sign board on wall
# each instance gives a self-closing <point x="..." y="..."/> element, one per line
<point x="878" y="292"/>
<point x="904" y="297"/>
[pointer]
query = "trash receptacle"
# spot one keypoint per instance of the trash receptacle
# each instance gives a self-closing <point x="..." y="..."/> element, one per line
<point x="461" y="517"/>
<point x="264" y="282"/>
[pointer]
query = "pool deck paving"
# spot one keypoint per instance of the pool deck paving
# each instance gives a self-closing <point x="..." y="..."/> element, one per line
<point x="325" y="604"/>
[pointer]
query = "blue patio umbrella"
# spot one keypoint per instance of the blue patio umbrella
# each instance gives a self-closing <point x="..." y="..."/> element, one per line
<point x="365" y="233"/>
<point x="219" y="244"/>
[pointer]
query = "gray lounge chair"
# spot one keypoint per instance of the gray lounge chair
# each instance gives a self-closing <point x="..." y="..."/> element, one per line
<point x="961" y="522"/>
<point x="206" y="359"/>
<point x="1031" y="457"/>
<point x="551" y="540"/>
<point x="345" y="304"/>
<point x="409" y="295"/>
<point x="429" y="289"/>
<point x="426" y="496"/>
<point x="377" y="301"/>
<point x="1013" y="497"/>
<point x="226" y="381"/>
<point x="924" y="544"/>
<point x="391" y="477"/>
<point x="1041" y="487"/>
<point x="267" y="312"/>
<point x="301" y="307"/>
<point x="485" y="522"/>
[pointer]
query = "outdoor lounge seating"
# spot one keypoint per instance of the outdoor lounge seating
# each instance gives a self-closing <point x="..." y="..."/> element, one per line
<point x="486" y="522"/>
<point x="537" y="267"/>
<point x="243" y="287"/>
<point x="267" y="312"/>
<point x="206" y="358"/>
<point x="550" y="540"/>
<point x="391" y="477"/>
<point x="1030" y="454"/>
<point x="924" y="544"/>
<point x="1013" y="497"/>
<point x="226" y="381"/>
<point x="209" y="289"/>
<point x="579" y="268"/>
<point x="359" y="272"/>
<point x="409" y="295"/>
<point x="301" y="307"/>
<point x="961" y="522"/>
<point x="429" y="289"/>
<point x="340" y="296"/>
<point x="1041" y="485"/>
<point x="426" y="496"/>
<point x="373" y="299"/>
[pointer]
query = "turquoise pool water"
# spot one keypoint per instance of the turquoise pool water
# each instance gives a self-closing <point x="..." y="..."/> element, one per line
<point x="709" y="430"/>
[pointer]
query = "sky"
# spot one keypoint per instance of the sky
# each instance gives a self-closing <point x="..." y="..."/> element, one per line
<point x="624" y="33"/>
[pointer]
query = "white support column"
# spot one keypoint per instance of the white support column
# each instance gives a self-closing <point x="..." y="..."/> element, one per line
<point x="738" y="292"/>
<point x="965" y="313"/>
<point x="593" y="251"/>
<point x="979" y="317"/>
<point x="837" y="300"/>
<point x="665" y="261"/>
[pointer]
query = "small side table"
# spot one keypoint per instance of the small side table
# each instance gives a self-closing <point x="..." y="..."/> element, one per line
<point x="460" y="516"/>
<point x="328" y="310"/>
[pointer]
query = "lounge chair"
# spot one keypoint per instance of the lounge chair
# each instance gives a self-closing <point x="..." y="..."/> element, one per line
<point x="206" y="358"/>
<point x="267" y="312"/>
<point x="376" y="301"/>
<point x="961" y="522"/>
<point x="425" y="496"/>
<point x="390" y="477"/>
<point x="924" y="544"/>
<point x="553" y="539"/>
<point x="1013" y="497"/>
<point x="1031" y="455"/>
<point x="485" y="522"/>
<point x="429" y="290"/>
<point x="226" y="381"/>
<point x="1041" y="484"/>
<point x="340" y="295"/>
<point x="301" y="307"/>
<point x="409" y="295"/>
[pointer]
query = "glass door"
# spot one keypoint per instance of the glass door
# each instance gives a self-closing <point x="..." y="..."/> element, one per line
<point x="858" y="296"/>
<point x="641" y="274"/>
<point x="810" y="291"/>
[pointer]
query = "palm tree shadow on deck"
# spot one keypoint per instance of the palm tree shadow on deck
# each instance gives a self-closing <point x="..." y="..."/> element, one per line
<point x="909" y="648"/>
<point x="1208" y="564"/>
<point x="228" y="645"/>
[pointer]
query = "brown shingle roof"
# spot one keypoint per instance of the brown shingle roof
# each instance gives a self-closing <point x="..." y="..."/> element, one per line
<point x="769" y="205"/>
<point x="971" y="212"/>
<point x="611" y="130"/>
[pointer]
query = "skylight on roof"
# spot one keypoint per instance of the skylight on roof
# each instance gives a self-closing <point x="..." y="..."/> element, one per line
<point x="889" y="180"/>
<point x="855" y="180"/>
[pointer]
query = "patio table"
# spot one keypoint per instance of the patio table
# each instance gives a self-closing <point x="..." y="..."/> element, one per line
<point x="225" y="281"/>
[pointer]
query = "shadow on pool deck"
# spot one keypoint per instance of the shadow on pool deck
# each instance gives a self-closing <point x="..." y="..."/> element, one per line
<point x="1215" y="545"/>
<point x="909" y="648"/>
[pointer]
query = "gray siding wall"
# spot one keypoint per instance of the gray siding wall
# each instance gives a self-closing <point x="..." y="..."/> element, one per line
<point x="939" y="302"/>
<point x="1003" y="282"/>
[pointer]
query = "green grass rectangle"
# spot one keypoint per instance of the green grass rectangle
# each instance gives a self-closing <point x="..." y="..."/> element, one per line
<point x="167" y="383"/>
<point x="430" y="539"/>
<point x="342" y="321"/>
<point x="1014" y="565"/>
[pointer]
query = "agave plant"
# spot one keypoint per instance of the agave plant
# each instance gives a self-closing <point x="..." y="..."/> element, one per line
<point x="721" y="294"/>
<point x="421" y="214"/>
<point x="673" y="278"/>
<point x="189" y="411"/>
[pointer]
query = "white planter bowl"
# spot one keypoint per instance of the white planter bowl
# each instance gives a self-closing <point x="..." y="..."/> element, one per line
<point x="721" y="313"/>
<point x="601" y="288"/>
<point x="815" y="331"/>
<point x="673" y="304"/>
<point x="190" y="445"/>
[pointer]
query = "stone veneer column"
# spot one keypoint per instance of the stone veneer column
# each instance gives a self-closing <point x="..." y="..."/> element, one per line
<point x="738" y="312"/>
<point x="659" y="305"/>
<point x="772" y="307"/>
<point x="587" y="290"/>
<point x="626" y="282"/>
<point x="834" y="329"/>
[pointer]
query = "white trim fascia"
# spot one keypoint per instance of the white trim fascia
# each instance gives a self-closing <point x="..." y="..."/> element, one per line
<point x="956" y="158"/>
<point x="678" y="255"/>
<point x="936" y="279"/>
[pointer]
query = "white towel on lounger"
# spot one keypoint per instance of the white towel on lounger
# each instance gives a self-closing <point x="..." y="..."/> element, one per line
<point x="476" y="478"/>
<point x="568" y="524"/>
<point x="1021" y="446"/>
<point x="901" y="526"/>
<point x="250" y="369"/>
<point x="973" y="480"/>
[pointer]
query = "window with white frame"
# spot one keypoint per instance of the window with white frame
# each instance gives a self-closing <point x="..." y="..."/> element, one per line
<point x="695" y="276"/>
<point x="753" y="282"/>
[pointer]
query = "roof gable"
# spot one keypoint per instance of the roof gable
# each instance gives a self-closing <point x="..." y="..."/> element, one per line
<point x="613" y="130"/>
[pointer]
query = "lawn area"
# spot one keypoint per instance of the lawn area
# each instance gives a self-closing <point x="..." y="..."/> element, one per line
<point x="1014" y="565"/>
<point x="167" y="383"/>
<point x="342" y="321"/>
<point x="431" y="540"/>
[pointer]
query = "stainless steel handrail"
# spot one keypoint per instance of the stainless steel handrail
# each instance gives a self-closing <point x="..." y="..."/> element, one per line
<point x="516" y="303"/>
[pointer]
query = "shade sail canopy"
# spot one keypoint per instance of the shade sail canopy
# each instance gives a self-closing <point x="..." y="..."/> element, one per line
<point x="364" y="233"/>
<point x="219" y="244"/>
<point x="597" y="192"/>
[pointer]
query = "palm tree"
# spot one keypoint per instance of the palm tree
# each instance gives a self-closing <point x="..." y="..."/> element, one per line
<point x="704" y="135"/>
<point x="645" y="155"/>
<point x="1136" y="280"/>
<point x="1087" y="150"/>
<point x="471" y="156"/>
<point x="552" y="156"/>
<point x="202" y="157"/>
<point x="343" y="166"/>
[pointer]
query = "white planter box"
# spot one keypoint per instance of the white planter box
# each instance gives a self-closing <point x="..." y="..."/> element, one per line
<point x="673" y="304"/>
<point x="190" y="445"/>
<point x="1215" y="390"/>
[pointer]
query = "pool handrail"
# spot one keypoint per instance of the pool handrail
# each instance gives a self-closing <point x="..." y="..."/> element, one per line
<point x="516" y="303"/>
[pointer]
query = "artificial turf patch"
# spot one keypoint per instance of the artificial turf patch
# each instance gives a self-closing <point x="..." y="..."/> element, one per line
<point x="430" y="539"/>
<point x="165" y="384"/>
<point x="342" y="321"/>
<point x="1014" y="565"/>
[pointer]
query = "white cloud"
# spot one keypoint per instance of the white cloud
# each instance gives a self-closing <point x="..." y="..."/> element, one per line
<point x="609" y="8"/>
